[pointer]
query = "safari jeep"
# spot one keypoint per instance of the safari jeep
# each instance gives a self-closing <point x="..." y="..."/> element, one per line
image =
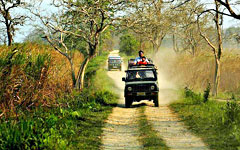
<point x="141" y="84"/>
<point x="114" y="62"/>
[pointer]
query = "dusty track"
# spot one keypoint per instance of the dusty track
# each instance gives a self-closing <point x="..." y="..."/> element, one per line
<point x="171" y="129"/>
<point x="120" y="131"/>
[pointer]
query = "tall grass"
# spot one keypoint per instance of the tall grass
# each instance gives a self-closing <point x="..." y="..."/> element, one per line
<point x="32" y="75"/>
<point x="197" y="71"/>
<point x="75" y="121"/>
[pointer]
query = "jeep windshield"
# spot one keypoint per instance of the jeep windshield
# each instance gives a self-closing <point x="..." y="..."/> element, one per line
<point x="141" y="75"/>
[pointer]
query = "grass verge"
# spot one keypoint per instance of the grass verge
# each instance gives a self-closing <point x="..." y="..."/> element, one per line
<point x="148" y="136"/>
<point x="217" y="123"/>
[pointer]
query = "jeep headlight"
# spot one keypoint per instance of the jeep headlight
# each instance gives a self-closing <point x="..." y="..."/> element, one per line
<point x="152" y="87"/>
<point x="129" y="88"/>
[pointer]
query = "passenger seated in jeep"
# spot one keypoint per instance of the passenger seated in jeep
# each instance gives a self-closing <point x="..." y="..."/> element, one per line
<point x="143" y="61"/>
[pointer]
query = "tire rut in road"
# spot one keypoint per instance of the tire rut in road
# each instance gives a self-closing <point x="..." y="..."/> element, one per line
<point x="121" y="130"/>
<point x="172" y="130"/>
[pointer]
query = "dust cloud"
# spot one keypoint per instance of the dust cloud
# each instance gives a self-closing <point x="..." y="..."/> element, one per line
<point x="168" y="85"/>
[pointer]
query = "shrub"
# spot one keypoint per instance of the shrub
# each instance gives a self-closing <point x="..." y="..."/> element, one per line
<point x="206" y="93"/>
<point x="232" y="112"/>
<point x="104" y="97"/>
<point x="192" y="96"/>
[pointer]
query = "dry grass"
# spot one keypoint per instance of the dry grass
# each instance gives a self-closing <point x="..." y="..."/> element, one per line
<point x="21" y="91"/>
<point x="195" y="72"/>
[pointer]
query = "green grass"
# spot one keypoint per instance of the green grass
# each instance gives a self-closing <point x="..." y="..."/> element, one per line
<point x="217" y="123"/>
<point x="148" y="137"/>
<point x="227" y="95"/>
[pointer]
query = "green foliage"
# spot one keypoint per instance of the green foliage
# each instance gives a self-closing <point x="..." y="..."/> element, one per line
<point x="232" y="112"/>
<point x="31" y="133"/>
<point x="192" y="96"/>
<point x="105" y="97"/>
<point x="195" y="98"/>
<point x="129" y="44"/>
<point x="206" y="93"/>
<point x="94" y="65"/>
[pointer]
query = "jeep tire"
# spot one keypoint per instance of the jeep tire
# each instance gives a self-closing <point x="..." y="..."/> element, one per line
<point x="128" y="102"/>
<point x="155" y="101"/>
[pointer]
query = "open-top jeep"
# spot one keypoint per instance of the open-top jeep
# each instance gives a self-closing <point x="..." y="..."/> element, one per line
<point x="114" y="62"/>
<point x="141" y="84"/>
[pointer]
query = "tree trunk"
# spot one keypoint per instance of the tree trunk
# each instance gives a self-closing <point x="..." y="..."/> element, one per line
<point x="9" y="36"/>
<point x="80" y="78"/>
<point x="175" y="47"/>
<point x="216" y="76"/>
<point x="156" y="45"/>
<point x="219" y="52"/>
<point x="73" y="73"/>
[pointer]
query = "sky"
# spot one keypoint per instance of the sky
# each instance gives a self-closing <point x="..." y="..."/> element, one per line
<point x="27" y="28"/>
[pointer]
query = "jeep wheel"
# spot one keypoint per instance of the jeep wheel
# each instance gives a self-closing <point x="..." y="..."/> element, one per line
<point x="128" y="102"/>
<point x="155" y="101"/>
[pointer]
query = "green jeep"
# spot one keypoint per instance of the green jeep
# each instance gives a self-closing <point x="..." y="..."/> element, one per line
<point x="114" y="62"/>
<point x="141" y="84"/>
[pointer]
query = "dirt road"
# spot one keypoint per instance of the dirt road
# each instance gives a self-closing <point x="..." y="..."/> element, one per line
<point x="121" y="128"/>
<point x="120" y="131"/>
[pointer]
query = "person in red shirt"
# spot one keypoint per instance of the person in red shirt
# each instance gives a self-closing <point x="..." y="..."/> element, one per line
<point x="143" y="61"/>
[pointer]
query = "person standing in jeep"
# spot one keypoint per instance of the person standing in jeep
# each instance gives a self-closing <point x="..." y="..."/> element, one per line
<point x="138" y="59"/>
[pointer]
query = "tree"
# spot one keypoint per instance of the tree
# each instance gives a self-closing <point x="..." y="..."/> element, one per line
<point x="35" y="36"/>
<point x="232" y="34"/>
<point x="128" y="44"/>
<point x="227" y="5"/>
<point x="217" y="50"/>
<point x="84" y="20"/>
<point x="150" y="19"/>
<point x="10" y="22"/>
<point x="185" y="34"/>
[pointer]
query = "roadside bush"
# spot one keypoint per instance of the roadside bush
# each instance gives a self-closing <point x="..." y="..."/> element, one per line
<point x="206" y="93"/>
<point x="105" y="97"/>
<point x="192" y="96"/>
<point x="232" y="112"/>
<point x="195" y="98"/>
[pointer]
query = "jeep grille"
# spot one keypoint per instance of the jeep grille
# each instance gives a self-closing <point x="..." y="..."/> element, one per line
<point x="141" y="88"/>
